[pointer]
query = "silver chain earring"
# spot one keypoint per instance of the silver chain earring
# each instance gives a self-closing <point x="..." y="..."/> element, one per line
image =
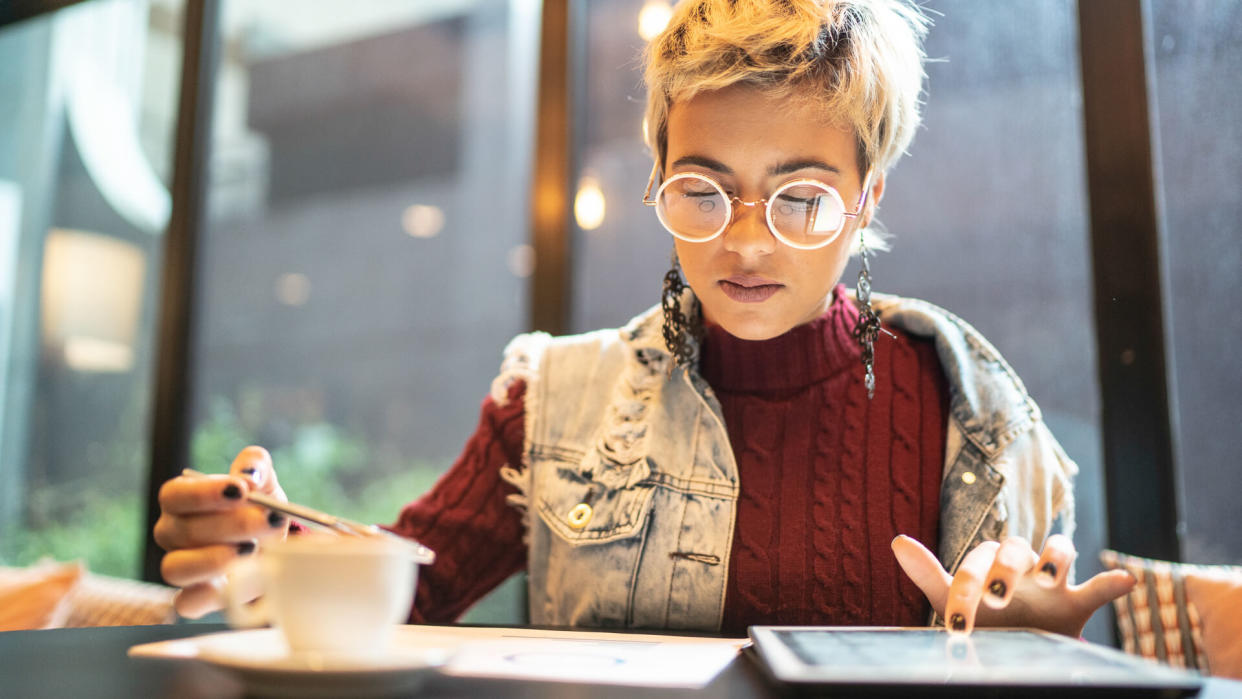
<point x="681" y="329"/>
<point x="868" y="327"/>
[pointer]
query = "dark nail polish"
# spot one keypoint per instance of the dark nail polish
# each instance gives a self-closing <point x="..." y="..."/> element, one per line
<point x="275" y="519"/>
<point x="958" y="622"/>
<point x="245" y="548"/>
<point x="998" y="589"/>
<point x="1050" y="569"/>
<point x="232" y="492"/>
<point x="250" y="471"/>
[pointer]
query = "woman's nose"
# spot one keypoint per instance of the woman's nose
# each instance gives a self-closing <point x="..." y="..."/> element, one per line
<point x="748" y="234"/>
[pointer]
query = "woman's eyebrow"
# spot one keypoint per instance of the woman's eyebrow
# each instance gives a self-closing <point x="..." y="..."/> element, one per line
<point x="795" y="165"/>
<point x="701" y="161"/>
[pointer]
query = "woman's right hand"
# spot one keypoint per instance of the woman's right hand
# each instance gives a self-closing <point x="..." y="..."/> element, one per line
<point x="205" y="524"/>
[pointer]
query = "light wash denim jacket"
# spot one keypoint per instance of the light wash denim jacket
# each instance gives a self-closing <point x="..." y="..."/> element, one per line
<point x="630" y="487"/>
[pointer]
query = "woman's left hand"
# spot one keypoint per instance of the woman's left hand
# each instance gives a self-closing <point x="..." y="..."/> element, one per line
<point x="1017" y="586"/>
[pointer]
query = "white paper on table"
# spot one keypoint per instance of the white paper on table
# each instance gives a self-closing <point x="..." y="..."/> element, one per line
<point x="647" y="660"/>
<point x="597" y="657"/>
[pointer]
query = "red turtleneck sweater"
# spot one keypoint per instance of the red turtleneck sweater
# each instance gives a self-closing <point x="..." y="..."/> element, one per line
<point x="828" y="478"/>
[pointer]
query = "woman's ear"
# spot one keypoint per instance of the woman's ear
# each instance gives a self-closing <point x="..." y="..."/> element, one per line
<point x="873" y="199"/>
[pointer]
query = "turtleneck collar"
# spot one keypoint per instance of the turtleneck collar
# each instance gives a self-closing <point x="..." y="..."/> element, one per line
<point x="807" y="354"/>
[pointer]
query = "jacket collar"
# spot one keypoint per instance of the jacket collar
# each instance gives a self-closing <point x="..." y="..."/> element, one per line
<point x="987" y="399"/>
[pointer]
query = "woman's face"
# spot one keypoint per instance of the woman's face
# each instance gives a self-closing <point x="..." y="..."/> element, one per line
<point x="748" y="282"/>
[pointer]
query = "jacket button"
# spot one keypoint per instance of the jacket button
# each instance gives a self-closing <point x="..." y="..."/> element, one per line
<point x="580" y="515"/>
<point x="968" y="478"/>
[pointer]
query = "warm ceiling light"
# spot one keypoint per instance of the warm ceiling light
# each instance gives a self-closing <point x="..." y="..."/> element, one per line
<point x="94" y="354"/>
<point x="521" y="260"/>
<point x="293" y="289"/>
<point x="589" y="205"/>
<point x="423" y="221"/>
<point x="653" y="18"/>
<point x="92" y="299"/>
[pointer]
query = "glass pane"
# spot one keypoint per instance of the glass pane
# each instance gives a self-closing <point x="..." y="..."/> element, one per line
<point x="620" y="256"/>
<point x="85" y="165"/>
<point x="990" y="221"/>
<point x="1001" y="141"/>
<point x="1198" y="55"/>
<point x="365" y="260"/>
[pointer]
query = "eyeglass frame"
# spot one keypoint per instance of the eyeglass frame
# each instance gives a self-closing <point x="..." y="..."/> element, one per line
<point x="648" y="200"/>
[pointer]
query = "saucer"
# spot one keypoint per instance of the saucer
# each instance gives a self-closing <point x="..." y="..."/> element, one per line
<point x="262" y="661"/>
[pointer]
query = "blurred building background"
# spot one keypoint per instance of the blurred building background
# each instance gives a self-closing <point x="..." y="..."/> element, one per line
<point x="366" y="249"/>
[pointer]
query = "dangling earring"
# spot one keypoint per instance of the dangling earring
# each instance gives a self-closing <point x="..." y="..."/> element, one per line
<point x="679" y="329"/>
<point x="868" y="327"/>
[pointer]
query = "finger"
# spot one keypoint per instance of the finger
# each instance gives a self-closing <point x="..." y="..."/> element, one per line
<point x="1054" y="561"/>
<point x="183" y="495"/>
<point x="201" y="599"/>
<point x="967" y="587"/>
<point x="1013" y="559"/>
<point x="922" y="567"/>
<point x="186" y="567"/>
<point x="1104" y="588"/>
<point x="254" y="464"/>
<point x="242" y="524"/>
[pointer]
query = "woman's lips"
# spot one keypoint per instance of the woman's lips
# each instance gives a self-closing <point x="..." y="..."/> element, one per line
<point x="745" y="289"/>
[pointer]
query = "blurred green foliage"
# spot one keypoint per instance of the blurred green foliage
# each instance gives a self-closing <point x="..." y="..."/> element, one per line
<point x="105" y="531"/>
<point x="320" y="465"/>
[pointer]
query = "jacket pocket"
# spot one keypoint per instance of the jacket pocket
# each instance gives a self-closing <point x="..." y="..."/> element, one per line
<point x="594" y="500"/>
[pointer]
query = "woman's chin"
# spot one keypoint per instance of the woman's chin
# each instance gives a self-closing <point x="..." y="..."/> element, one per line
<point x="749" y="328"/>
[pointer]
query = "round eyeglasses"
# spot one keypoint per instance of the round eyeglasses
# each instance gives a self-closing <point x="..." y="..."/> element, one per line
<point x="805" y="214"/>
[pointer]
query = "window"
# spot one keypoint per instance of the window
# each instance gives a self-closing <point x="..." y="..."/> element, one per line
<point x="85" y="166"/>
<point x="365" y="260"/>
<point x="1197" y="47"/>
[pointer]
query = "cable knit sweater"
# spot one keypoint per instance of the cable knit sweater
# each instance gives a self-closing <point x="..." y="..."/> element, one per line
<point x="828" y="478"/>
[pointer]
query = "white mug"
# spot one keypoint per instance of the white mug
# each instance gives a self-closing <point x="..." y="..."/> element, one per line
<point x="328" y="594"/>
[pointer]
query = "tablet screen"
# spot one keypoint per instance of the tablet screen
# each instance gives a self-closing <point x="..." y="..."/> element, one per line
<point x="1009" y="657"/>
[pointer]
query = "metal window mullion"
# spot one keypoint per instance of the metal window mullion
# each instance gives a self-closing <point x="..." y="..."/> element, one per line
<point x="550" y="192"/>
<point x="169" y="451"/>
<point x="1126" y="235"/>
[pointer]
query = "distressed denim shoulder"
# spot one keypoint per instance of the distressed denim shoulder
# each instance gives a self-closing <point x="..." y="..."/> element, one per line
<point x="630" y="487"/>
<point x="628" y="483"/>
<point x="1005" y="474"/>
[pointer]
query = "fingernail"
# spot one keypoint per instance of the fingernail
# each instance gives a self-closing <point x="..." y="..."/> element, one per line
<point x="245" y="548"/>
<point x="1049" y="569"/>
<point x="998" y="589"/>
<point x="957" y="622"/>
<point x="275" y="519"/>
<point x="232" y="492"/>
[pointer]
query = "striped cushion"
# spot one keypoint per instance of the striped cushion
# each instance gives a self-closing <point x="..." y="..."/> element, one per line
<point x="100" y="600"/>
<point x="53" y="595"/>
<point x="1174" y="607"/>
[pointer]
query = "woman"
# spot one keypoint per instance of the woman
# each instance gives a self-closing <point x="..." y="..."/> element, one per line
<point x="758" y="449"/>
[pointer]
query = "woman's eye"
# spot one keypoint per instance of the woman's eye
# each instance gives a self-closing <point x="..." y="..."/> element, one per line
<point x="787" y="200"/>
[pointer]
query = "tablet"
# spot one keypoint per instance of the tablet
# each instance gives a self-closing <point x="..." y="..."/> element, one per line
<point x="901" y="660"/>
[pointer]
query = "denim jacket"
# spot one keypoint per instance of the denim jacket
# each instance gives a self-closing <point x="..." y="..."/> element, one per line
<point x="630" y="487"/>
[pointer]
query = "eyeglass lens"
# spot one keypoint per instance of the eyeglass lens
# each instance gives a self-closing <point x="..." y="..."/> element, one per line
<point x="696" y="209"/>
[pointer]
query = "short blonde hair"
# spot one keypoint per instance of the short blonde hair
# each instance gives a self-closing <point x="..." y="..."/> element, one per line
<point x="862" y="60"/>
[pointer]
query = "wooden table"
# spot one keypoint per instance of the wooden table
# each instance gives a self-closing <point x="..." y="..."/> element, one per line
<point x="93" y="663"/>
